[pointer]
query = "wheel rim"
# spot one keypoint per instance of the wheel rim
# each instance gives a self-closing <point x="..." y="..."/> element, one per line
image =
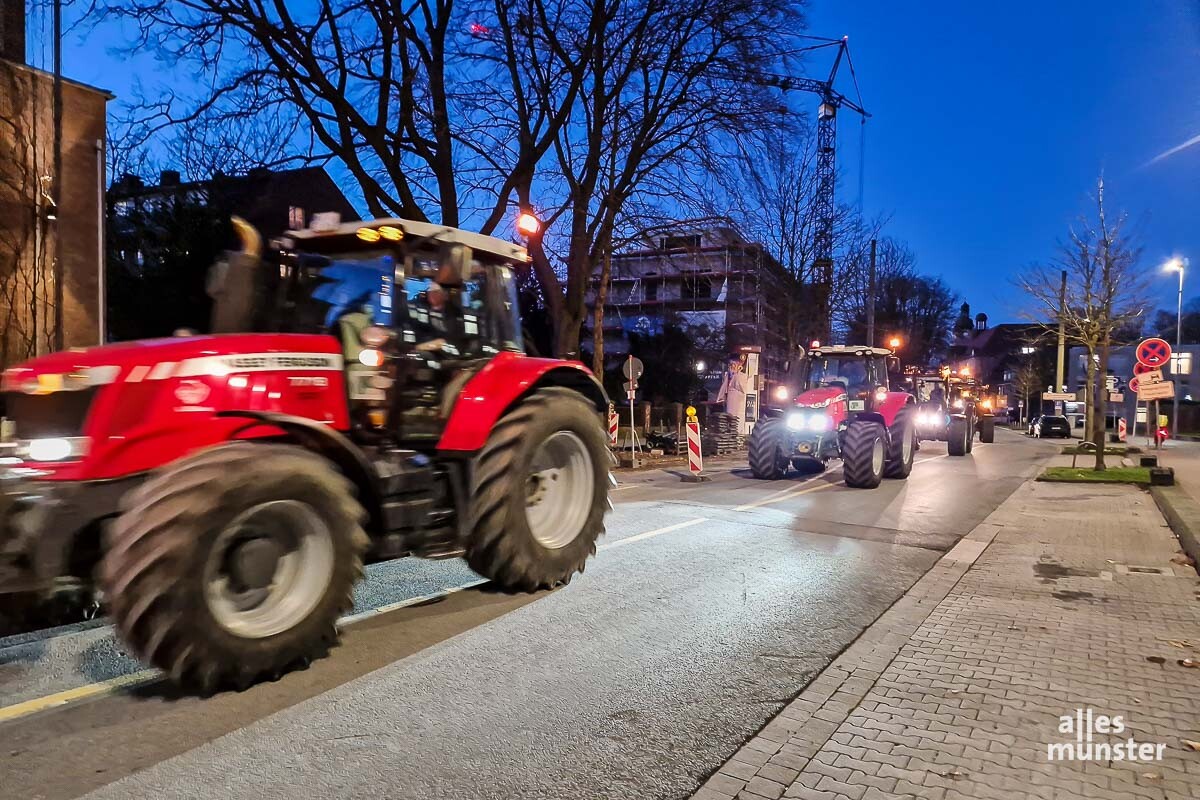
<point x="877" y="456"/>
<point x="558" y="490"/>
<point x="269" y="568"/>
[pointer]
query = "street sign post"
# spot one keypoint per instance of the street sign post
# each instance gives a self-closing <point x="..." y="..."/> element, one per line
<point x="632" y="369"/>
<point x="1163" y="390"/>
<point x="1057" y="396"/>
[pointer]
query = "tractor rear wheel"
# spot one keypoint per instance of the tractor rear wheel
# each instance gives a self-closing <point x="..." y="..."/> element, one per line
<point x="234" y="564"/>
<point x="987" y="430"/>
<point x="958" y="437"/>
<point x="767" y="461"/>
<point x="864" y="451"/>
<point x="902" y="445"/>
<point x="540" y="493"/>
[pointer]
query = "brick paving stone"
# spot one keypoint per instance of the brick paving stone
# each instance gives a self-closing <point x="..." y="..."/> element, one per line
<point x="956" y="691"/>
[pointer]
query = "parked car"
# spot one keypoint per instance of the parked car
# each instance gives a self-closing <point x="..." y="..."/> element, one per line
<point x="1052" y="427"/>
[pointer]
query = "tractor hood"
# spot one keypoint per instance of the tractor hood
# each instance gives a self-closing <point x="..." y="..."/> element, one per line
<point x="160" y="358"/>
<point x="820" y="397"/>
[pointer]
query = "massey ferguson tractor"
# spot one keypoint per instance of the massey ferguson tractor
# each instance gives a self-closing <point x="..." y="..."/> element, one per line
<point x="365" y="397"/>
<point x="842" y="407"/>
<point x="952" y="408"/>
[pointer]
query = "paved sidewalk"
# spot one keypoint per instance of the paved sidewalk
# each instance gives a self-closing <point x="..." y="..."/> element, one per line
<point x="957" y="691"/>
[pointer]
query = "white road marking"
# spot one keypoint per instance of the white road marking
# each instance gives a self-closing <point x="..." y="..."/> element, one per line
<point x="657" y="532"/>
<point x="787" y="495"/>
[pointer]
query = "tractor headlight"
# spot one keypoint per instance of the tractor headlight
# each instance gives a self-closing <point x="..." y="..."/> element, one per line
<point x="795" y="421"/>
<point x="819" y="422"/>
<point x="782" y="393"/>
<point x="959" y="403"/>
<point x="54" y="449"/>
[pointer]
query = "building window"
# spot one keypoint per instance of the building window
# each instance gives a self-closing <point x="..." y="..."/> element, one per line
<point x="676" y="242"/>
<point x="696" y="287"/>
<point x="651" y="290"/>
<point x="1181" y="363"/>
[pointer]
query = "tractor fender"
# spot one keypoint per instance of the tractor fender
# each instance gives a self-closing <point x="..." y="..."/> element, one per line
<point x="872" y="416"/>
<point x="505" y="381"/>
<point x="331" y="444"/>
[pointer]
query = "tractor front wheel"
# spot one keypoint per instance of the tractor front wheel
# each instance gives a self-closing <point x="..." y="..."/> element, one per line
<point x="958" y="437"/>
<point x="864" y="452"/>
<point x="902" y="445"/>
<point x="540" y="493"/>
<point x="234" y="564"/>
<point x="767" y="461"/>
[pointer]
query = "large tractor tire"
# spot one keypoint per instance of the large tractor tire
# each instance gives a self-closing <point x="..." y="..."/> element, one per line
<point x="958" y="437"/>
<point x="234" y="564"/>
<point x="864" y="452"/>
<point x="540" y="493"/>
<point x="767" y="460"/>
<point x="902" y="445"/>
<point x="987" y="430"/>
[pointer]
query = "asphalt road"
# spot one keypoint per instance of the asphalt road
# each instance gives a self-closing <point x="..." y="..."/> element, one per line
<point x="708" y="607"/>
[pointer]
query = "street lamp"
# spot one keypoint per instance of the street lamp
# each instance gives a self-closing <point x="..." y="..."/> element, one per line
<point x="1177" y="264"/>
<point x="894" y="343"/>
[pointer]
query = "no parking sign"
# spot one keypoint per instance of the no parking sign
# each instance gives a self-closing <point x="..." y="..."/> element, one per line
<point x="1153" y="353"/>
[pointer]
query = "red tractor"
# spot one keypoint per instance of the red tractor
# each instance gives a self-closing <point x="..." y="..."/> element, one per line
<point x="842" y="407"/>
<point x="374" y="402"/>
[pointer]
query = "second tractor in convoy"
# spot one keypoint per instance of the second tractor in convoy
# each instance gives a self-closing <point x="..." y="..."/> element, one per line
<point x="838" y="403"/>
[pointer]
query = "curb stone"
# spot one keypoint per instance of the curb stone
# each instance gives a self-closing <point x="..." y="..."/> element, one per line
<point x="1183" y="515"/>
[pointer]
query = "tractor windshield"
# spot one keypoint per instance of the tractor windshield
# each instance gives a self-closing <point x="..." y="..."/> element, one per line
<point x="846" y="372"/>
<point x="930" y="390"/>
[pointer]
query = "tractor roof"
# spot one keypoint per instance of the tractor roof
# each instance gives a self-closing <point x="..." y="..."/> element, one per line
<point x="417" y="230"/>
<point x="848" y="350"/>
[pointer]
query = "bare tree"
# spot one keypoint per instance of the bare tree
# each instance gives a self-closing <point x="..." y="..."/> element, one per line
<point x="1027" y="381"/>
<point x="1106" y="294"/>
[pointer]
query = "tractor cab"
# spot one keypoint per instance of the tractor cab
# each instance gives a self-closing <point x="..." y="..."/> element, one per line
<point x="417" y="309"/>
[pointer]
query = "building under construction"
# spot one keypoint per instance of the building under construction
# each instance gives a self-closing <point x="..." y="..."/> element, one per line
<point x="726" y="294"/>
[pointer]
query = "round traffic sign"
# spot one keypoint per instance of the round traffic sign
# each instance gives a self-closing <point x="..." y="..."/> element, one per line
<point x="632" y="368"/>
<point x="1141" y="369"/>
<point x="1154" y="352"/>
<point x="1133" y="383"/>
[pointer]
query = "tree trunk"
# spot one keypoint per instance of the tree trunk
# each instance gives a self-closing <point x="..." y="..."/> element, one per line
<point x="1099" y="398"/>
<point x="598" y="314"/>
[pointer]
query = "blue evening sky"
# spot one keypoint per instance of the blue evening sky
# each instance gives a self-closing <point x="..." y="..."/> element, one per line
<point x="991" y="124"/>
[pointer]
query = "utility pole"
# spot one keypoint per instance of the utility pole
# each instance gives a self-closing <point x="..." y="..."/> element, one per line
<point x="1059" y="375"/>
<point x="58" y="176"/>
<point x="871" y="299"/>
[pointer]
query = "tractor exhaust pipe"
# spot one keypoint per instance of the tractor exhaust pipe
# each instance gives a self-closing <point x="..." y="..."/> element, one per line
<point x="233" y="281"/>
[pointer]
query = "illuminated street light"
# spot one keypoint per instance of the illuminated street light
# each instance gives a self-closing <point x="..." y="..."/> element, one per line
<point x="528" y="224"/>
<point x="894" y="342"/>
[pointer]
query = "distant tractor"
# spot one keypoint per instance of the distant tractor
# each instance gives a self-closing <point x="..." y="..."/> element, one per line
<point x="952" y="409"/>
<point x="367" y="397"/>
<point x="841" y="406"/>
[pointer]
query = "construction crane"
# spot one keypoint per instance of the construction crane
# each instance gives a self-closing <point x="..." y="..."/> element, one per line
<point x="824" y="208"/>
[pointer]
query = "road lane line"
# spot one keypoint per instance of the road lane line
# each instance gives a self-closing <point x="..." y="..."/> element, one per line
<point x="657" y="532"/>
<point x="350" y="619"/>
<point x="799" y="490"/>
<point x="18" y="710"/>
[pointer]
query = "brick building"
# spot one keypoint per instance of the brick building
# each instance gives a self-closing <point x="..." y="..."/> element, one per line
<point x="50" y="224"/>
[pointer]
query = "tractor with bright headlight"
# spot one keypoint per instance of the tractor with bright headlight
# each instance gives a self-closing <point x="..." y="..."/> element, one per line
<point x="951" y="408"/>
<point x="840" y="406"/>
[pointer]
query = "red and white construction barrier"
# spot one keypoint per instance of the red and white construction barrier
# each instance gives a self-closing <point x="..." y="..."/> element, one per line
<point x="613" y="421"/>
<point x="695" y="457"/>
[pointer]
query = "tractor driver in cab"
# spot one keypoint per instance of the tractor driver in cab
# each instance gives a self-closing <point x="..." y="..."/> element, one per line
<point x="848" y="375"/>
